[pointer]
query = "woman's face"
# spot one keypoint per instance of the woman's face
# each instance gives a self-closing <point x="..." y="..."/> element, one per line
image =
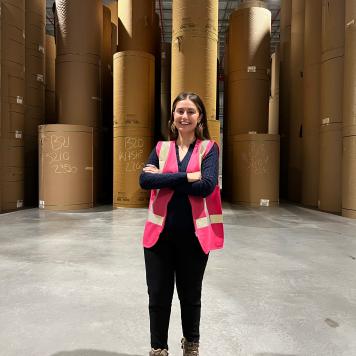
<point x="186" y="116"/>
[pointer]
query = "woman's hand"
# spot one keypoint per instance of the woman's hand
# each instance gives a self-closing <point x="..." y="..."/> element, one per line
<point x="193" y="177"/>
<point x="150" y="168"/>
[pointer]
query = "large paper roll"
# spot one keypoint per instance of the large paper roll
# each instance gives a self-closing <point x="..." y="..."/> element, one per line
<point x="66" y="167"/>
<point x="195" y="50"/>
<point x="134" y="90"/>
<point x="132" y="147"/>
<point x="79" y="27"/>
<point x="330" y="174"/>
<point x="256" y="170"/>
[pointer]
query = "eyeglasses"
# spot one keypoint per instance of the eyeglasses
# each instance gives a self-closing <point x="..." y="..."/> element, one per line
<point x="190" y="112"/>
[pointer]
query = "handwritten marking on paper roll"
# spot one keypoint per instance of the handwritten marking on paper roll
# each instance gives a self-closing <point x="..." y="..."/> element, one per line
<point x="131" y="119"/>
<point x="350" y="23"/>
<point x="40" y="78"/>
<point x="59" y="142"/>
<point x="59" y="156"/>
<point x="64" y="168"/>
<point x="133" y="142"/>
<point x="130" y="155"/>
<point x="134" y="166"/>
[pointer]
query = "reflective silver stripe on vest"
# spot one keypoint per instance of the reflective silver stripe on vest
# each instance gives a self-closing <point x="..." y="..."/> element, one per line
<point x="210" y="219"/>
<point x="163" y="154"/>
<point x="155" y="219"/>
<point x="202" y="150"/>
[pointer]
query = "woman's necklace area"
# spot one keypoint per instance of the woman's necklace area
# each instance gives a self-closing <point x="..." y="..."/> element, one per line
<point x="182" y="151"/>
<point x="183" y="148"/>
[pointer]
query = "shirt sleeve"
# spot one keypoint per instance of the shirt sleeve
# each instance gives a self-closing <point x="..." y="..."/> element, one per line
<point x="209" y="179"/>
<point x="160" y="180"/>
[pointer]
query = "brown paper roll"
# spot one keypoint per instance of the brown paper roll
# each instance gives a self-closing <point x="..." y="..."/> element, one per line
<point x="106" y="70"/>
<point x="195" y="50"/>
<point x="312" y="42"/>
<point x="165" y="88"/>
<point x="74" y="22"/>
<point x="275" y="72"/>
<point x="273" y="115"/>
<point x="256" y="170"/>
<point x="194" y="70"/>
<point x="247" y="105"/>
<point x="330" y="168"/>
<point x="36" y="25"/>
<point x="285" y="48"/>
<point x="136" y="26"/>
<point x="13" y="45"/>
<point x="12" y="121"/>
<point x="311" y="119"/>
<point x="113" y="38"/>
<point x="349" y="177"/>
<point x="11" y="174"/>
<point x="286" y="15"/>
<point x="249" y="38"/>
<point x="311" y="127"/>
<point x="195" y="17"/>
<point x="349" y="113"/>
<point x="50" y="98"/>
<point x="248" y="67"/>
<point x="35" y="71"/>
<point x="131" y="149"/>
<point x="296" y="103"/>
<point x="333" y="26"/>
<point x="214" y="130"/>
<point x="78" y="91"/>
<point x="66" y="167"/>
<point x="114" y="14"/>
<point x="13" y="84"/>
<point x="332" y="85"/>
<point x="13" y="13"/>
<point x="134" y="90"/>
<point x="50" y="62"/>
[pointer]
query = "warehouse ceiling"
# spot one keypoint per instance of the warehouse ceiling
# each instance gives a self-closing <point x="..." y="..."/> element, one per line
<point x="164" y="9"/>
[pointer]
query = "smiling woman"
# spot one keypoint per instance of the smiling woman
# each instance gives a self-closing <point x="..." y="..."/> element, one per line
<point x="188" y="110"/>
<point x="184" y="221"/>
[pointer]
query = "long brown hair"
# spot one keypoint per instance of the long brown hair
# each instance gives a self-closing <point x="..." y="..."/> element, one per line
<point x="201" y="130"/>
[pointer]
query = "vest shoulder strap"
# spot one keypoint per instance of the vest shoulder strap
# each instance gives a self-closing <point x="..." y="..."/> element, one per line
<point x="162" y="150"/>
<point x="204" y="149"/>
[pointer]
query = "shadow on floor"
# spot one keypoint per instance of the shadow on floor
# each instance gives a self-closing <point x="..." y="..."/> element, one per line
<point x="85" y="352"/>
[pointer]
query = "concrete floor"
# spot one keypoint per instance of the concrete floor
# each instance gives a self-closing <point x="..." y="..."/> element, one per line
<point x="73" y="284"/>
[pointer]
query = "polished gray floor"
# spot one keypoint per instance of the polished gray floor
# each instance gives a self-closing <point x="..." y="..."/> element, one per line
<point x="73" y="284"/>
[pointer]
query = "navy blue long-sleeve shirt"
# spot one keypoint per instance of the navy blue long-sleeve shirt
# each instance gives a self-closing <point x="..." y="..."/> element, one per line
<point x="179" y="211"/>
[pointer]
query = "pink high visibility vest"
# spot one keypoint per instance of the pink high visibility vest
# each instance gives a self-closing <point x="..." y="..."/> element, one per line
<point x="207" y="212"/>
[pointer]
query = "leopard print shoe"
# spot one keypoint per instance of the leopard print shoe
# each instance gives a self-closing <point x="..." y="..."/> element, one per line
<point x="158" y="352"/>
<point x="190" y="348"/>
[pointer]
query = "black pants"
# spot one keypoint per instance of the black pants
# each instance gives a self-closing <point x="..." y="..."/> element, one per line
<point x="174" y="257"/>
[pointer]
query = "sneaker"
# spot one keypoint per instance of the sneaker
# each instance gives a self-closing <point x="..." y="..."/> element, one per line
<point x="158" y="352"/>
<point x="190" y="348"/>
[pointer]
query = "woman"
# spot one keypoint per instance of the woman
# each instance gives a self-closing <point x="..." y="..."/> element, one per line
<point x="184" y="221"/>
